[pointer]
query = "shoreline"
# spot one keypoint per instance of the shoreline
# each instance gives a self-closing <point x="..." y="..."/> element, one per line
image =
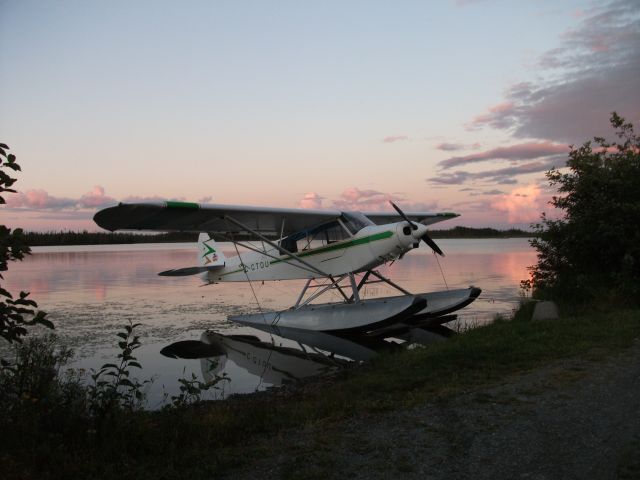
<point x="48" y="239"/>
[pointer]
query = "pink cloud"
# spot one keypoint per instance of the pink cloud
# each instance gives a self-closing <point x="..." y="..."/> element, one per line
<point x="592" y="72"/>
<point x="502" y="176"/>
<point x="497" y="116"/>
<point x="95" y="198"/>
<point x="522" y="151"/>
<point x="395" y="138"/>
<point x="368" y="200"/>
<point x="371" y="200"/>
<point x="38" y="199"/>
<point x="150" y="199"/>
<point x="375" y="201"/>
<point x="522" y="204"/>
<point x="311" y="200"/>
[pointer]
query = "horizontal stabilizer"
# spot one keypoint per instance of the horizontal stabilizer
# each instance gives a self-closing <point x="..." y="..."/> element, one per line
<point x="182" y="272"/>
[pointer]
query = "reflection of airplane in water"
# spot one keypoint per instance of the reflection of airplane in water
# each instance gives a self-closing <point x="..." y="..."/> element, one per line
<point x="277" y="356"/>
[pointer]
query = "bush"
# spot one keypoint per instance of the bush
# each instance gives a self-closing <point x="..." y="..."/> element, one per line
<point x="593" y="252"/>
<point x="16" y="314"/>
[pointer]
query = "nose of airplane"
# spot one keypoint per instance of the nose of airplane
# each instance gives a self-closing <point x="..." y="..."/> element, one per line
<point x="419" y="232"/>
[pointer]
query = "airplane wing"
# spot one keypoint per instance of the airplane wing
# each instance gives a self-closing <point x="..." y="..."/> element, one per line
<point x="426" y="218"/>
<point x="193" y="217"/>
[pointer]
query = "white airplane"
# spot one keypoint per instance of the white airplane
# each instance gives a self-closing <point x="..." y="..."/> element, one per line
<point x="332" y="250"/>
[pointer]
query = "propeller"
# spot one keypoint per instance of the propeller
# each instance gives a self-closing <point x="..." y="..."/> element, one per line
<point x="426" y="238"/>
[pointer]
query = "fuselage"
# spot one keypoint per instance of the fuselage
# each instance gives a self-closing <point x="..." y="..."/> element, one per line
<point x="370" y="247"/>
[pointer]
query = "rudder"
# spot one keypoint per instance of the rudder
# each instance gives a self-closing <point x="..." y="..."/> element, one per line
<point x="208" y="253"/>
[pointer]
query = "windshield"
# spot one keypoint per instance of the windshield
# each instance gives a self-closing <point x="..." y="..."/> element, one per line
<point x="355" y="221"/>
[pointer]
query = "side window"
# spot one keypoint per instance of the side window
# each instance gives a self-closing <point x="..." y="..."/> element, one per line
<point x="334" y="234"/>
<point x="315" y="237"/>
<point x="289" y="244"/>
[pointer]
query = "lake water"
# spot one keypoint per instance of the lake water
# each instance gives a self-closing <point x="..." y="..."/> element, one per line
<point x="89" y="292"/>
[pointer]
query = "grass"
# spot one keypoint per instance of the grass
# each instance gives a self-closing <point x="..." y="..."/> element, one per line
<point x="201" y="440"/>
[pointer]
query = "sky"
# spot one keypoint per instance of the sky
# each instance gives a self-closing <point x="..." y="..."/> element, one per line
<point x="439" y="106"/>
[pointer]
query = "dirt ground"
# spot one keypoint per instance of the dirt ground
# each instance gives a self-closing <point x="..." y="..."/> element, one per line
<point x="573" y="419"/>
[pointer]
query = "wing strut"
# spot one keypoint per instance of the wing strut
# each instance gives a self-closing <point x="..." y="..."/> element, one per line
<point x="267" y="254"/>
<point x="269" y="242"/>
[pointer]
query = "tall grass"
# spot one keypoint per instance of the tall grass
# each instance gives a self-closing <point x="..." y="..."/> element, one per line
<point x="203" y="439"/>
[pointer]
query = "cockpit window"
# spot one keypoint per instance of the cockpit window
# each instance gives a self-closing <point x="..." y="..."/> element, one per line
<point x="325" y="233"/>
<point x="355" y="221"/>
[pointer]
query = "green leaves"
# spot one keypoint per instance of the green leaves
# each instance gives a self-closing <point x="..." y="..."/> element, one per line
<point x="113" y="386"/>
<point x="594" y="250"/>
<point x="15" y="314"/>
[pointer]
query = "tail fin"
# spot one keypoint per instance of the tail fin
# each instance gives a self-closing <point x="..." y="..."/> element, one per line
<point x="208" y="253"/>
<point x="209" y="259"/>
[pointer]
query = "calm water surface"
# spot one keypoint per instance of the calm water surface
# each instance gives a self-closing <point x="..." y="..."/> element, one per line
<point x="89" y="292"/>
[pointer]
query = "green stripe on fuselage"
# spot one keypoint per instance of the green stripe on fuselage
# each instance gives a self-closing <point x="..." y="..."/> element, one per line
<point x="340" y="246"/>
<point x="328" y="248"/>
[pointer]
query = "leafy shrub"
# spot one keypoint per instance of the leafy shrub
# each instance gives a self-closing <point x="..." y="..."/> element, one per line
<point x="16" y="314"/>
<point x="593" y="252"/>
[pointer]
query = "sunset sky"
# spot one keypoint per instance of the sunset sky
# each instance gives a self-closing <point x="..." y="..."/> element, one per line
<point x="441" y="106"/>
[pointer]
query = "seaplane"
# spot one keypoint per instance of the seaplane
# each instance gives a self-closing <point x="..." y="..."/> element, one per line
<point x="332" y="250"/>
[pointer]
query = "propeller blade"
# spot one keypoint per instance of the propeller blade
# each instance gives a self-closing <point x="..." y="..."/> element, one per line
<point x="427" y="239"/>
<point x="401" y="213"/>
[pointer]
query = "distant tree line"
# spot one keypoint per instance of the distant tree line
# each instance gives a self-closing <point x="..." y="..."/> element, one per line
<point x="38" y="239"/>
<point x="469" y="232"/>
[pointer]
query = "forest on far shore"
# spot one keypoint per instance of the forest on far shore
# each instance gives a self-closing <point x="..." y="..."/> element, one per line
<point x="40" y="239"/>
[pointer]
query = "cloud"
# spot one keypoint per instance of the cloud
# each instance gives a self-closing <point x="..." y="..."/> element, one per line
<point x="371" y="200"/>
<point x="95" y="198"/>
<point x="151" y="199"/>
<point x="451" y="147"/>
<point x="363" y="200"/>
<point x="395" y="138"/>
<point x="495" y="191"/>
<point x="38" y="199"/>
<point x="456" y="178"/>
<point x="503" y="176"/>
<point x="594" y="71"/>
<point x="206" y="199"/>
<point x="523" y="151"/>
<point x="498" y="116"/>
<point x="311" y="200"/>
<point x="507" y="181"/>
<point x="522" y="205"/>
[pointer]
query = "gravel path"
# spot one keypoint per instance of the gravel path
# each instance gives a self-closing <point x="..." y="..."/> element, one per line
<point x="574" y="419"/>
